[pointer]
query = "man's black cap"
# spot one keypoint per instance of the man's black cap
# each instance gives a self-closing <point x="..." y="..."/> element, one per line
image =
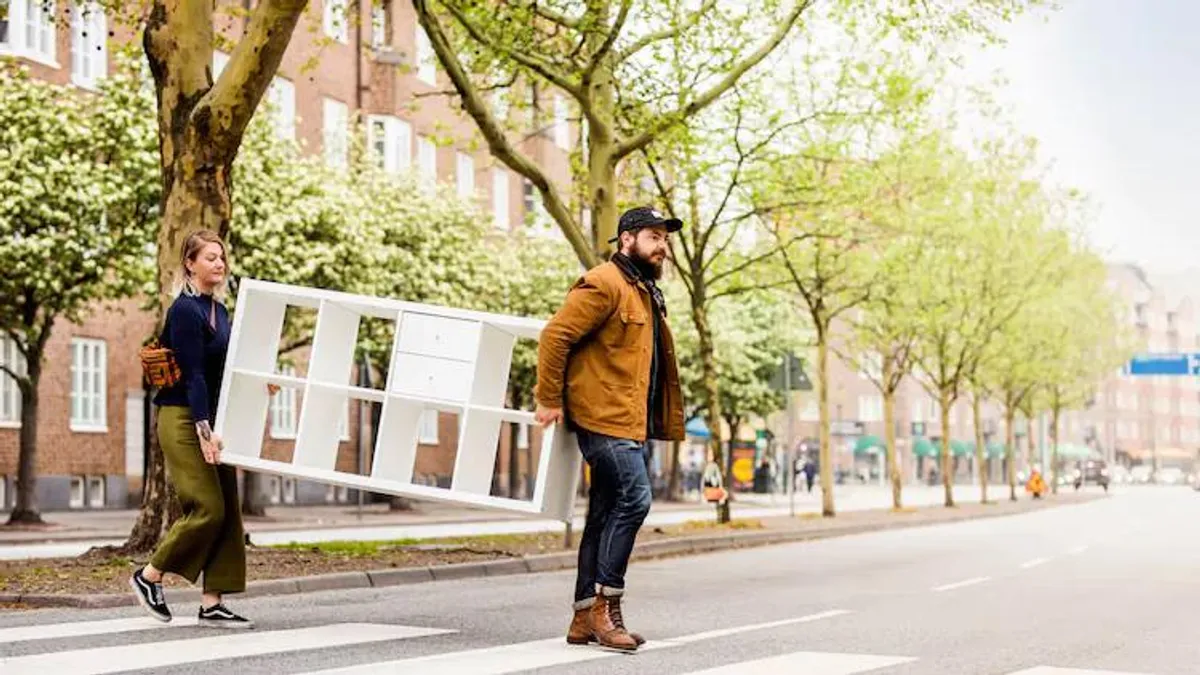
<point x="643" y="216"/>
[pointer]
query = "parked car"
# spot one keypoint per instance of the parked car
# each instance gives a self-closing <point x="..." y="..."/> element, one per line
<point x="1092" y="471"/>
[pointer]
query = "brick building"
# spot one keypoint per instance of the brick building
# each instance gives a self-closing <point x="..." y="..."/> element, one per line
<point x="374" y="75"/>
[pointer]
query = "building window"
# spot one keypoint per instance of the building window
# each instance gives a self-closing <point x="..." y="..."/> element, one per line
<point x="28" y="30"/>
<point x="288" y="490"/>
<point x="870" y="408"/>
<point x="3" y="478"/>
<point x="426" y="59"/>
<point x="427" y="158"/>
<point x="95" y="492"/>
<point x="88" y="385"/>
<point x="562" y="128"/>
<point x="10" y="392"/>
<point x="429" y="428"/>
<point x="283" y="408"/>
<point x="335" y="20"/>
<point x="500" y="104"/>
<point x="500" y="199"/>
<point x="464" y="175"/>
<point x="811" y="412"/>
<point x="89" y="54"/>
<point x="381" y="24"/>
<point x="282" y="95"/>
<point x="76" y="500"/>
<point x="336" y="129"/>
<point x="390" y="141"/>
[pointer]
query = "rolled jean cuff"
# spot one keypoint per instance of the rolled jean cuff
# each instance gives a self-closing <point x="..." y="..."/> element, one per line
<point x="585" y="603"/>
<point x="609" y="591"/>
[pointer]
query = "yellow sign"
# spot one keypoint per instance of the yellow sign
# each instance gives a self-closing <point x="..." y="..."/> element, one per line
<point x="743" y="469"/>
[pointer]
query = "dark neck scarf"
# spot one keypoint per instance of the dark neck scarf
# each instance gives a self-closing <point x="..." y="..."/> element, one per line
<point x="635" y="271"/>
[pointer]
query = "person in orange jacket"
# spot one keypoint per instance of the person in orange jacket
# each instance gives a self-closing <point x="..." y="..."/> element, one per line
<point x="1036" y="485"/>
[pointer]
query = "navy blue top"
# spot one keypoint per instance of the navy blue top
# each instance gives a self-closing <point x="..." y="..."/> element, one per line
<point x="200" y="351"/>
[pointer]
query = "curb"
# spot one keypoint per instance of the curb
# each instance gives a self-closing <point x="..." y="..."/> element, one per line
<point x="532" y="564"/>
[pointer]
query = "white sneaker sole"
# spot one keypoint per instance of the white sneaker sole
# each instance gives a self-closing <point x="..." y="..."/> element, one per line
<point x="225" y="624"/>
<point x="137" y="593"/>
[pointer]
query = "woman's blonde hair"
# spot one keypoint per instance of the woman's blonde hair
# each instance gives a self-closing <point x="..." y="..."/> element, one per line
<point x="192" y="245"/>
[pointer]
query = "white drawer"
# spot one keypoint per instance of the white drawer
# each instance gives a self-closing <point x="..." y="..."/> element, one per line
<point x="431" y="377"/>
<point x="438" y="336"/>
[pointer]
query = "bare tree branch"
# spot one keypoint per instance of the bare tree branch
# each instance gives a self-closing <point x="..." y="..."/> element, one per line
<point x="498" y="143"/>
<point x="667" y="120"/>
<point x="605" y="48"/>
<point x="689" y="21"/>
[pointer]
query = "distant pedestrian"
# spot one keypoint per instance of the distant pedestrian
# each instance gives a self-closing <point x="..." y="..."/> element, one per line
<point x="208" y="538"/>
<point x="606" y="367"/>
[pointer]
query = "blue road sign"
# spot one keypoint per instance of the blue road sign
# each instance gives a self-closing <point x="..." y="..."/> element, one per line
<point x="1164" y="364"/>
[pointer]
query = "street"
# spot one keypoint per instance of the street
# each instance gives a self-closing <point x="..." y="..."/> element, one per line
<point x="1102" y="587"/>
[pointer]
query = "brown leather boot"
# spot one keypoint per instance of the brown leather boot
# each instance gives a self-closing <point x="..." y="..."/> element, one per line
<point x="614" y="611"/>
<point x="607" y="633"/>
<point x="579" y="633"/>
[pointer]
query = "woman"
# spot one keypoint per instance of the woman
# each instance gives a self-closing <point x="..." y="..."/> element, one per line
<point x="208" y="537"/>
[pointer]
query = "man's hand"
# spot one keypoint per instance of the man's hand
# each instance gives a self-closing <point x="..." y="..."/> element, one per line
<point x="547" y="416"/>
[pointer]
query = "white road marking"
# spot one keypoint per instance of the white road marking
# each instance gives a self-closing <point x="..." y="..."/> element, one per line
<point x="162" y="654"/>
<point x="541" y="653"/>
<point x="1049" y="670"/>
<point x="809" y="663"/>
<point x="1030" y="564"/>
<point x="55" y="631"/>
<point x="961" y="584"/>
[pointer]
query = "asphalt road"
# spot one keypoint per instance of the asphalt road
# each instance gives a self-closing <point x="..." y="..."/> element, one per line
<point x="1103" y="587"/>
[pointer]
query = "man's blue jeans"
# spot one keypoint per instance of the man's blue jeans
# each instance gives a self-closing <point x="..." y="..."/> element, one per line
<point x="618" y="502"/>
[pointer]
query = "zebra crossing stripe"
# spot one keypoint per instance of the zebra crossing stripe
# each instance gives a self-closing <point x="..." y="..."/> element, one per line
<point x="57" y="631"/>
<point x="809" y="663"/>
<point x="162" y="654"/>
<point x="1048" y="670"/>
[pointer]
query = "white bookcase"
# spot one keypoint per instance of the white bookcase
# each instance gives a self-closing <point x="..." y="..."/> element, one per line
<point x="444" y="359"/>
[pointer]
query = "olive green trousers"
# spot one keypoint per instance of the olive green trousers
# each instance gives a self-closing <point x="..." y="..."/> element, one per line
<point x="209" y="537"/>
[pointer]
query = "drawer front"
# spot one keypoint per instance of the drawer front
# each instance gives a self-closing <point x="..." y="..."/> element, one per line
<point x="439" y="336"/>
<point x="431" y="377"/>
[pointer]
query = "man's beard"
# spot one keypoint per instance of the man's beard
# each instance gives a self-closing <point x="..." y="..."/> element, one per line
<point x="648" y="268"/>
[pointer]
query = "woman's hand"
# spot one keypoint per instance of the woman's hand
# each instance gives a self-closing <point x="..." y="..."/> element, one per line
<point x="211" y="444"/>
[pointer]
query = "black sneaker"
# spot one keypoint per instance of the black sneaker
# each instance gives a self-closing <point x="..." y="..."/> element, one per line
<point x="150" y="596"/>
<point x="219" y="616"/>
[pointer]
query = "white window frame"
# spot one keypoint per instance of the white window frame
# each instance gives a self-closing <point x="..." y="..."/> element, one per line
<point x="393" y="152"/>
<point x="284" y="413"/>
<point x="464" y="175"/>
<point x="282" y="95"/>
<point x="77" y="498"/>
<point x="3" y="492"/>
<point x="287" y="490"/>
<point x="335" y="20"/>
<point x="89" y="385"/>
<point x="380" y="13"/>
<point x="562" y="125"/>
<point x="25" y="16"/>
<point x="335" y="125"/>
<point x="89" y="44"/>
<point x="96" y="486"/>
<point x="501" y="211"/>
<point x="870" y="408"/>
<point x="426" y="64"/>
<point x="10" y="391"/>
<point x="429" y="428"/>
<point x="427" y="159"/>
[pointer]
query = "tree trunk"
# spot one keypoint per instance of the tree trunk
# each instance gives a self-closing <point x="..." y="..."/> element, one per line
<point x="674" y="492"/>
<point x="1054" y="415"/>
<point x="601" y="162"/>
<point x="712" y="402"/>
<point x="889" y="434"/>
<point x="826" y="451"/>
<point x="947" y="457"/>
<point x="1010" y="451"/>
<point x="980" y="450"/>
<point x="25" y="510"/>
<point x="200" y="128"/>
<point x="252" y="501"/>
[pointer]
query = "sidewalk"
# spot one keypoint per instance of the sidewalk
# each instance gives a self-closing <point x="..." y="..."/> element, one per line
<point x="74" y="532"/>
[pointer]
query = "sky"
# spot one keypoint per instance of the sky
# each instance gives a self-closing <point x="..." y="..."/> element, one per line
<point x="1111" y="89"/>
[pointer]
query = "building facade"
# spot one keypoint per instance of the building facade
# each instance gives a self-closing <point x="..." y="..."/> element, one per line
<point x="374" y="75"/>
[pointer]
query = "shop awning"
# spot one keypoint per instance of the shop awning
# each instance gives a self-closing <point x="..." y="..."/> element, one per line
<point x="923" y="447"/>
<point x="696" y="428"/>
<point x="868" y="445"/>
